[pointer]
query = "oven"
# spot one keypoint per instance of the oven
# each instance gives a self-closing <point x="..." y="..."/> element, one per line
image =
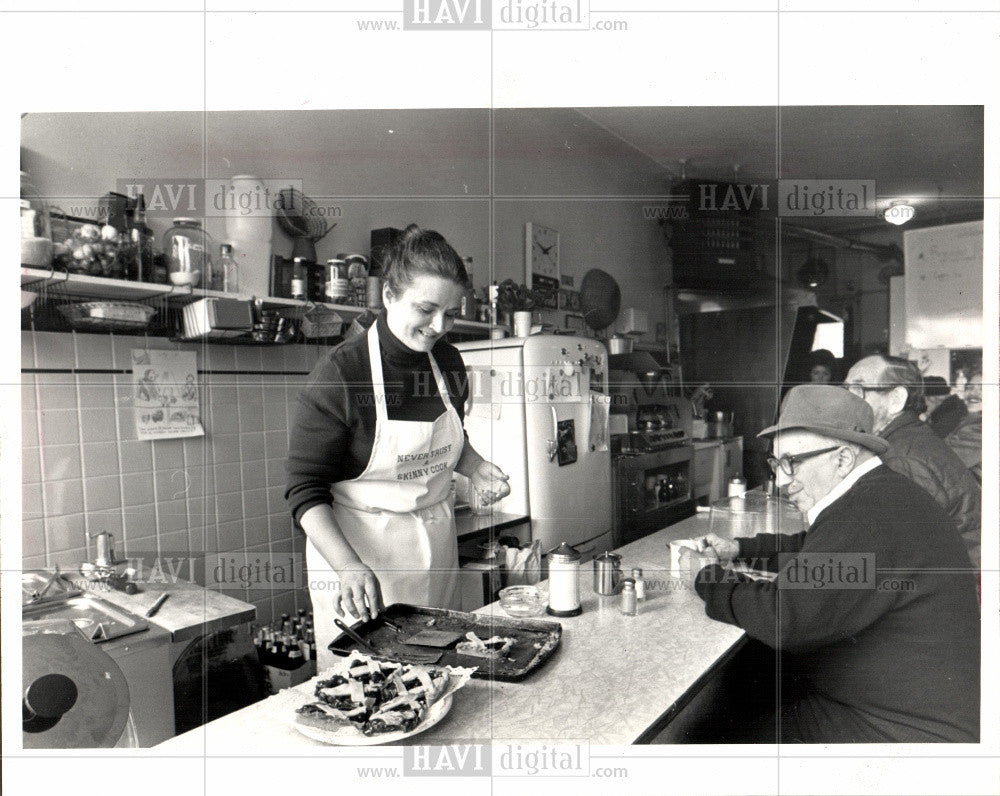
<point x="650" y="490"/>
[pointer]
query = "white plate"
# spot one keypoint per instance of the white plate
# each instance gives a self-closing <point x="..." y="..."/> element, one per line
<point x="348" y="737"/>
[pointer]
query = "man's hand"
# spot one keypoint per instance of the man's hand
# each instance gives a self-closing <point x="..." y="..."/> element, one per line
<point x="724" y="549"/>
<point x="360" y="592"/>
<point x="691" y="561"/>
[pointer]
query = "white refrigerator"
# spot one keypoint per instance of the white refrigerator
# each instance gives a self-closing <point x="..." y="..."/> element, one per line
<point x="538" y="408"/>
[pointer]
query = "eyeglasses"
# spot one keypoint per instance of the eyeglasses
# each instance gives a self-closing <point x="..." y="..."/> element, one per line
<point x="862" y="390"/>
<point x="787" y="462"/>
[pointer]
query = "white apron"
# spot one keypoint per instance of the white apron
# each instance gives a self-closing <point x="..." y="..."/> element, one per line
<point x="397" y="514"/>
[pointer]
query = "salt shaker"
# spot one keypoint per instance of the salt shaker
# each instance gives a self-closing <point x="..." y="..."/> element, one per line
<point x="630" y="603"/>
<point x="564" y="582"/>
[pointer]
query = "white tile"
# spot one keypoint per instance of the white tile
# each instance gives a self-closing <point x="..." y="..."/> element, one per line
<point x="31" y="465"/>
<point x="27" y="349"/>
<point x="171" y="515"/>
<point x="228" y="476"/>
<point x="252" y="446"/>
<point x="93" y="351"/>
<point x="255" y="530"/>
<point x="69" y="559"/>
<point x="64" y="532"/>
<point x="102" y="493"/>
<point x="60" y="427"/>
<point x="99" y="425"/>
<point x="56" y="391"/>
<point x="104" y="522"/>
<point x="229" y="507"/>
<point x="31" y="501"/>
<point x="29" y="427"/>
<point x="137" y="489"/>
<point x="54" y="350"/>
<point x="63" y="497"/>
<point x="230" y="537"/>
<point x="254" y="475"/>
<point x="168" y="454"/>
<point x="28" y="398"/>
<point x="60" y="461"/>
<point x="226" y="448"/>
<point x="220" y="357"/>
<point x="248" y="358"/>
<point x="255" y="506"/>
<point x="100" y="458"/>
<point x="135" y="456"/>
<point x="140" y="520"/>
<point x="96" y="391"/>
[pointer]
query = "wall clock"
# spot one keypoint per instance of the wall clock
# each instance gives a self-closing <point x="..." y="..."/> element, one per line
<point x="541" y="259"/>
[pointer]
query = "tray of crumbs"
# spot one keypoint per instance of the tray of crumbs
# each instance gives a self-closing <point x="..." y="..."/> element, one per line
<point x="501" y="647"/>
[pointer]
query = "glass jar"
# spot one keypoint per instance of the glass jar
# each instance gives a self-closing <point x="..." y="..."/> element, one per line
<point x="188" y="249"/>
<point x="36" y="226"/>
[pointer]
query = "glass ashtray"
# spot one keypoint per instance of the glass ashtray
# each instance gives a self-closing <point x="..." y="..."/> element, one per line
<point x="523" y="601"/>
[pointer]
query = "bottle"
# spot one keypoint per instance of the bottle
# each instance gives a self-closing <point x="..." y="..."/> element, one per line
<point x="494" y="296"/>
<point x="227" y="273"/>
<point x="630" y="602"/>
<point x="299" y="278"/>
<point x="663" y="493"/>
<point x="357" y="277"/>
<point x="640" y="584"/>
<point x="142" y="268"/>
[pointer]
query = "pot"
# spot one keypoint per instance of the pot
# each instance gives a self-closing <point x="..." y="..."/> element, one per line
<point x="619" y="345"/>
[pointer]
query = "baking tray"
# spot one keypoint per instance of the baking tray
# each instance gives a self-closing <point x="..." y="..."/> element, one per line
<point x="521" y="660"/>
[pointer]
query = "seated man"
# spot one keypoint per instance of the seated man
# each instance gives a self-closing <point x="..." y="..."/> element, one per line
<point x="893" y="388"/>
<point x="874" y="604"/>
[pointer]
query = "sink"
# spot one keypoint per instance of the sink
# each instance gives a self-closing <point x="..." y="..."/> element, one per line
<point x="99" y="621"/>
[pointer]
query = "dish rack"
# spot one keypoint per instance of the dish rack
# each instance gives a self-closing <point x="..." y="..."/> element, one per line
<point x="108" y="316"/>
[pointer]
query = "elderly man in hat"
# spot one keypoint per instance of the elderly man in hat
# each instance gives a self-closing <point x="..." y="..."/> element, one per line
<point x="874" y="604"/>
<point x="893" y="388"/>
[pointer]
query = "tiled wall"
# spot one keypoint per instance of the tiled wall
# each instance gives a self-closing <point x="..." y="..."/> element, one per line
<point x="85" y="470"/>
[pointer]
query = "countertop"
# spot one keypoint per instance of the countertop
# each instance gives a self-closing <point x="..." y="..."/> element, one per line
<point x="191" y="611"/>
<point x="613" y="680"/>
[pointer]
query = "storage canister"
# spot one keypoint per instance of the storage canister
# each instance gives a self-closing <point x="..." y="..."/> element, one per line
<point x="564" y="581"/>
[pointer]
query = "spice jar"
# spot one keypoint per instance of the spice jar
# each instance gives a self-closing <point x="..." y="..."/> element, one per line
<point x="36" y="226"/>
<point x="564" y="581"/>
<point x="188" y="250"/>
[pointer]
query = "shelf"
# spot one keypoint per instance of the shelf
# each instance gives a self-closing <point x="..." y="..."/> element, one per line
<point x="98" y="287"/>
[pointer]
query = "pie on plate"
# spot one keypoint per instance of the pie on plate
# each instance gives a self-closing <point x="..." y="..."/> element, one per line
<point x="364" y="700"/>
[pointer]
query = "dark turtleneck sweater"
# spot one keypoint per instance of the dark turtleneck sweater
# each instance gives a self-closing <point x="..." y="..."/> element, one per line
<point x="331" y="437"/>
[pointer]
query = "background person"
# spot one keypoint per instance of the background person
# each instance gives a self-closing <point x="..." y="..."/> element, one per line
<point x="945" y="410"/>
<point x="893" y="388"/>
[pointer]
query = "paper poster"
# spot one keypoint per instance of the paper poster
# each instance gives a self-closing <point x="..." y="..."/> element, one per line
<point x="165" y="394"/>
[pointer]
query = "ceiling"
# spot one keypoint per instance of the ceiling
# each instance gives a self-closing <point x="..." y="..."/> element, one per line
<point x="930" y="155"/>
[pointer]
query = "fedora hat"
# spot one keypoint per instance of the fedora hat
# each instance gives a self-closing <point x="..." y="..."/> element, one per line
<point x="830" y="411"/>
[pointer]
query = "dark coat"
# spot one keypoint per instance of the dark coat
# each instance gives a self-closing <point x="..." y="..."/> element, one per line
<point x="947" y="416"/>
<point x="894" y="658"/>
<point x="918" y="453"/>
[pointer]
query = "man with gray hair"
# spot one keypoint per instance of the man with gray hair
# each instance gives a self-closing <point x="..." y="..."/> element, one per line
<point x="874" y="604"/>
<point x="893" y="388"/>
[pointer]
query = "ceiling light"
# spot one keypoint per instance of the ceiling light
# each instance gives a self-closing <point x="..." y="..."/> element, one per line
<point x="899" y="213"/>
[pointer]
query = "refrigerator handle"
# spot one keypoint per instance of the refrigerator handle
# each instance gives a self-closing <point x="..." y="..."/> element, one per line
<point x="553" y="444"/>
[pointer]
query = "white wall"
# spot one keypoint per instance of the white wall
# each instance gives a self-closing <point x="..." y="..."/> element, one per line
<point x="388" y="168"/>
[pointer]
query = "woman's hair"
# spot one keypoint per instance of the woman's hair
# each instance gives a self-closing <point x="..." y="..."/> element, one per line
<point x="422" y="251"/>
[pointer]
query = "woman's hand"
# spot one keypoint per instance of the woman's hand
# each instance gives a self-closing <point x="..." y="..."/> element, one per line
<point x="725" y="549"/>
<point x="490" y="482"/>
<point x="360" y="592"/>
